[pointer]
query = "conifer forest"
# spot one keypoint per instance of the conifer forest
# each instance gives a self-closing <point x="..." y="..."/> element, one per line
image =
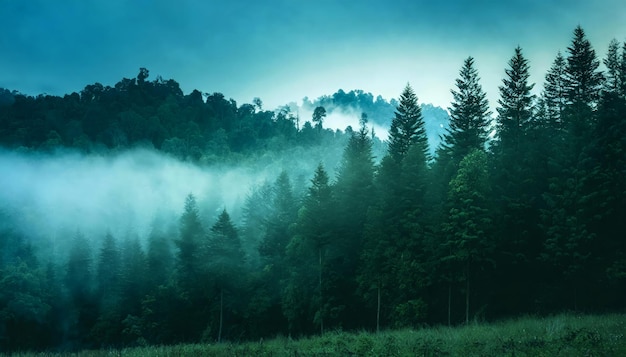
<point x="281" y="226"/>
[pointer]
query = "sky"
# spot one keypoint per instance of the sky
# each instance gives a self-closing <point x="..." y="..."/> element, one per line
<point x="284" y="50"/>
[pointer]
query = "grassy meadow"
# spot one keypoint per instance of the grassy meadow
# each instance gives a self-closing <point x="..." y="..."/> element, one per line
<point x="560" y="335"/>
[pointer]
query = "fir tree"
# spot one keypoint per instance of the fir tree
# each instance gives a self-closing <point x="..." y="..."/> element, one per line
<point x="407" y="127"/>
<point x="225" y="262"/>
<point x="466" y="228"/>
<point x="469" y="116"/>
<point x="583" y="83"/>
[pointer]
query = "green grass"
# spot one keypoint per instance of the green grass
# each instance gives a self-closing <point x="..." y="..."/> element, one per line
<point x="561" y="335"/>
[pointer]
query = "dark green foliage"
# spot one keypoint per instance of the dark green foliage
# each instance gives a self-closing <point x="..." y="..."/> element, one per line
<point x="311" y="248"/>
<point x="516" y="102"/>
<point x="191" y="236"/>
<point x="554" y="93"/>
<point x="469" y="116"/>
<point x="467" y="237"/>
<point x="517" y="171"/>
<point x="225" y="266"/>
<point x="159" y="258"/>
<point x="583" y="82"/>
<point x="407" y="127"/>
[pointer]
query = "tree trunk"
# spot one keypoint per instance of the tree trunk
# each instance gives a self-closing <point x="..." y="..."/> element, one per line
<point x="467" y="295"/>
<point x="219" y="334"/>
<point x="320" y="287"/>
<point x="449" y="301"/>
<point x="378" y="312"/>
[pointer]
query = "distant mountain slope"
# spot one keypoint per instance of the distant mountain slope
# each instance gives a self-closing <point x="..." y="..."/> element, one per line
<point x="379" y="111"/>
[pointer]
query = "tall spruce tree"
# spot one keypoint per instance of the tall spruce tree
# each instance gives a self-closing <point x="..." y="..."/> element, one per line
<point x="391" y="261"/>
<point x="466" y="228"/>
<point x="225" y="264"/>
<point x="554" y="93"/>
<point x="583" y="82"/>
<point x="612" y="62"/>
<point x="516" y="102"/>
<point x="469" y="116"/>
<point x="188" y="244"/>
<point x="352" y="198"/>
<point x="567" y="217"/>
<point x="607" y="177"/>
<point x="309" y="249"/>
<point x="516" y="167"/>
<point x="407" y="127"/>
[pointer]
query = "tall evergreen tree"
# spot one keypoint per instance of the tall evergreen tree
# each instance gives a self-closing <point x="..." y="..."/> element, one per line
<point x="606" y="180"/>
<point x="352" y="198"/>
<point x="568" y="215"/>
<point x="516" y="102"/>
<point x="188" y="244"/>
<point x="466" y="229"/>
<point x="79" y="285"/>
<point x="108" y="272"/>
<point x="275" y="224"/>
<point x="189" y="283"/>
<point x="225" y="263"/>
<point x="391" y="261"/>
<point x="469" y="116"/>
<point x="257" y="209"/>
<point x="107" y="330"/>
<point x="311" y="246"/>
<point x="613" y="64"/>
<point x="159" y="257"/>
<point x="516" y="181"/>
<point x="554" y="93"/>
<point x="583" y="82"/>
<point x="353" y="190"/>
<point x="407" y="127"/>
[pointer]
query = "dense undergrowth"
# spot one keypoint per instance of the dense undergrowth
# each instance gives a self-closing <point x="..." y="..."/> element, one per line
<point x="560" y="335"/>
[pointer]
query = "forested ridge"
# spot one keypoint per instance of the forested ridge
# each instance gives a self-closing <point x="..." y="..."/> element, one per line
<point x="519" y="210"/>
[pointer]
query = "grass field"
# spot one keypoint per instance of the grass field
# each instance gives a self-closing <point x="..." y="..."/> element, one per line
<point x="561" y="335"/>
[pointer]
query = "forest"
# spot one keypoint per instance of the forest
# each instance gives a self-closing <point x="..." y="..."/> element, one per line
<point x="514" y="212"/>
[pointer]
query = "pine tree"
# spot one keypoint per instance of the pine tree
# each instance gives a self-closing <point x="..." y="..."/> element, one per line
<point x="469" y="116"/>
<point x="468" y="240"/>
<point x="568" y="215"/>
<point x="407" y="127"/>
<point x="516" y="171"/>
<point x="188" y="244"/>
<point x="516" y="102"/>
<point x="353" y="189"/>
<point x="395" y="223"/>
<point x="612" y="62"/>
<point x="108" y="272"/>
<point x="78" y="281"/>
<point x="606" y="181"/>
<point x="257" y="209"/>
<point x="225" y="262"/>
<point x="276" y="223"/>
<point x="554" y="93"/>
<point x="583" y="82"/>
<point x="109" y="292"/>
<point x="159" y="257"/>
<point x="283" y="215"/>
<point x="309" y="248"/>
<point x="352" y="199"/>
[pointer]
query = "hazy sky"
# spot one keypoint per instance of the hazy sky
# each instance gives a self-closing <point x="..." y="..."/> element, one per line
<point x="283" y="50"/>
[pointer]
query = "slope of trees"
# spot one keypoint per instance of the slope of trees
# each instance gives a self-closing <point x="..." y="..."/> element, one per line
<point x="517" y="214"/>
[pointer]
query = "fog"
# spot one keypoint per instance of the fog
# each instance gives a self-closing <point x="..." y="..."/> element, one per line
<point x="51" y="196"/>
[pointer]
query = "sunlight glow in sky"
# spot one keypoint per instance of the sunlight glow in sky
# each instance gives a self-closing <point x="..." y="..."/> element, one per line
<point x="282" y="51"/>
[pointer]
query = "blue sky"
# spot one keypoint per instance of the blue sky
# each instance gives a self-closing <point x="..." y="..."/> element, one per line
<point x="282" y="51"/>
